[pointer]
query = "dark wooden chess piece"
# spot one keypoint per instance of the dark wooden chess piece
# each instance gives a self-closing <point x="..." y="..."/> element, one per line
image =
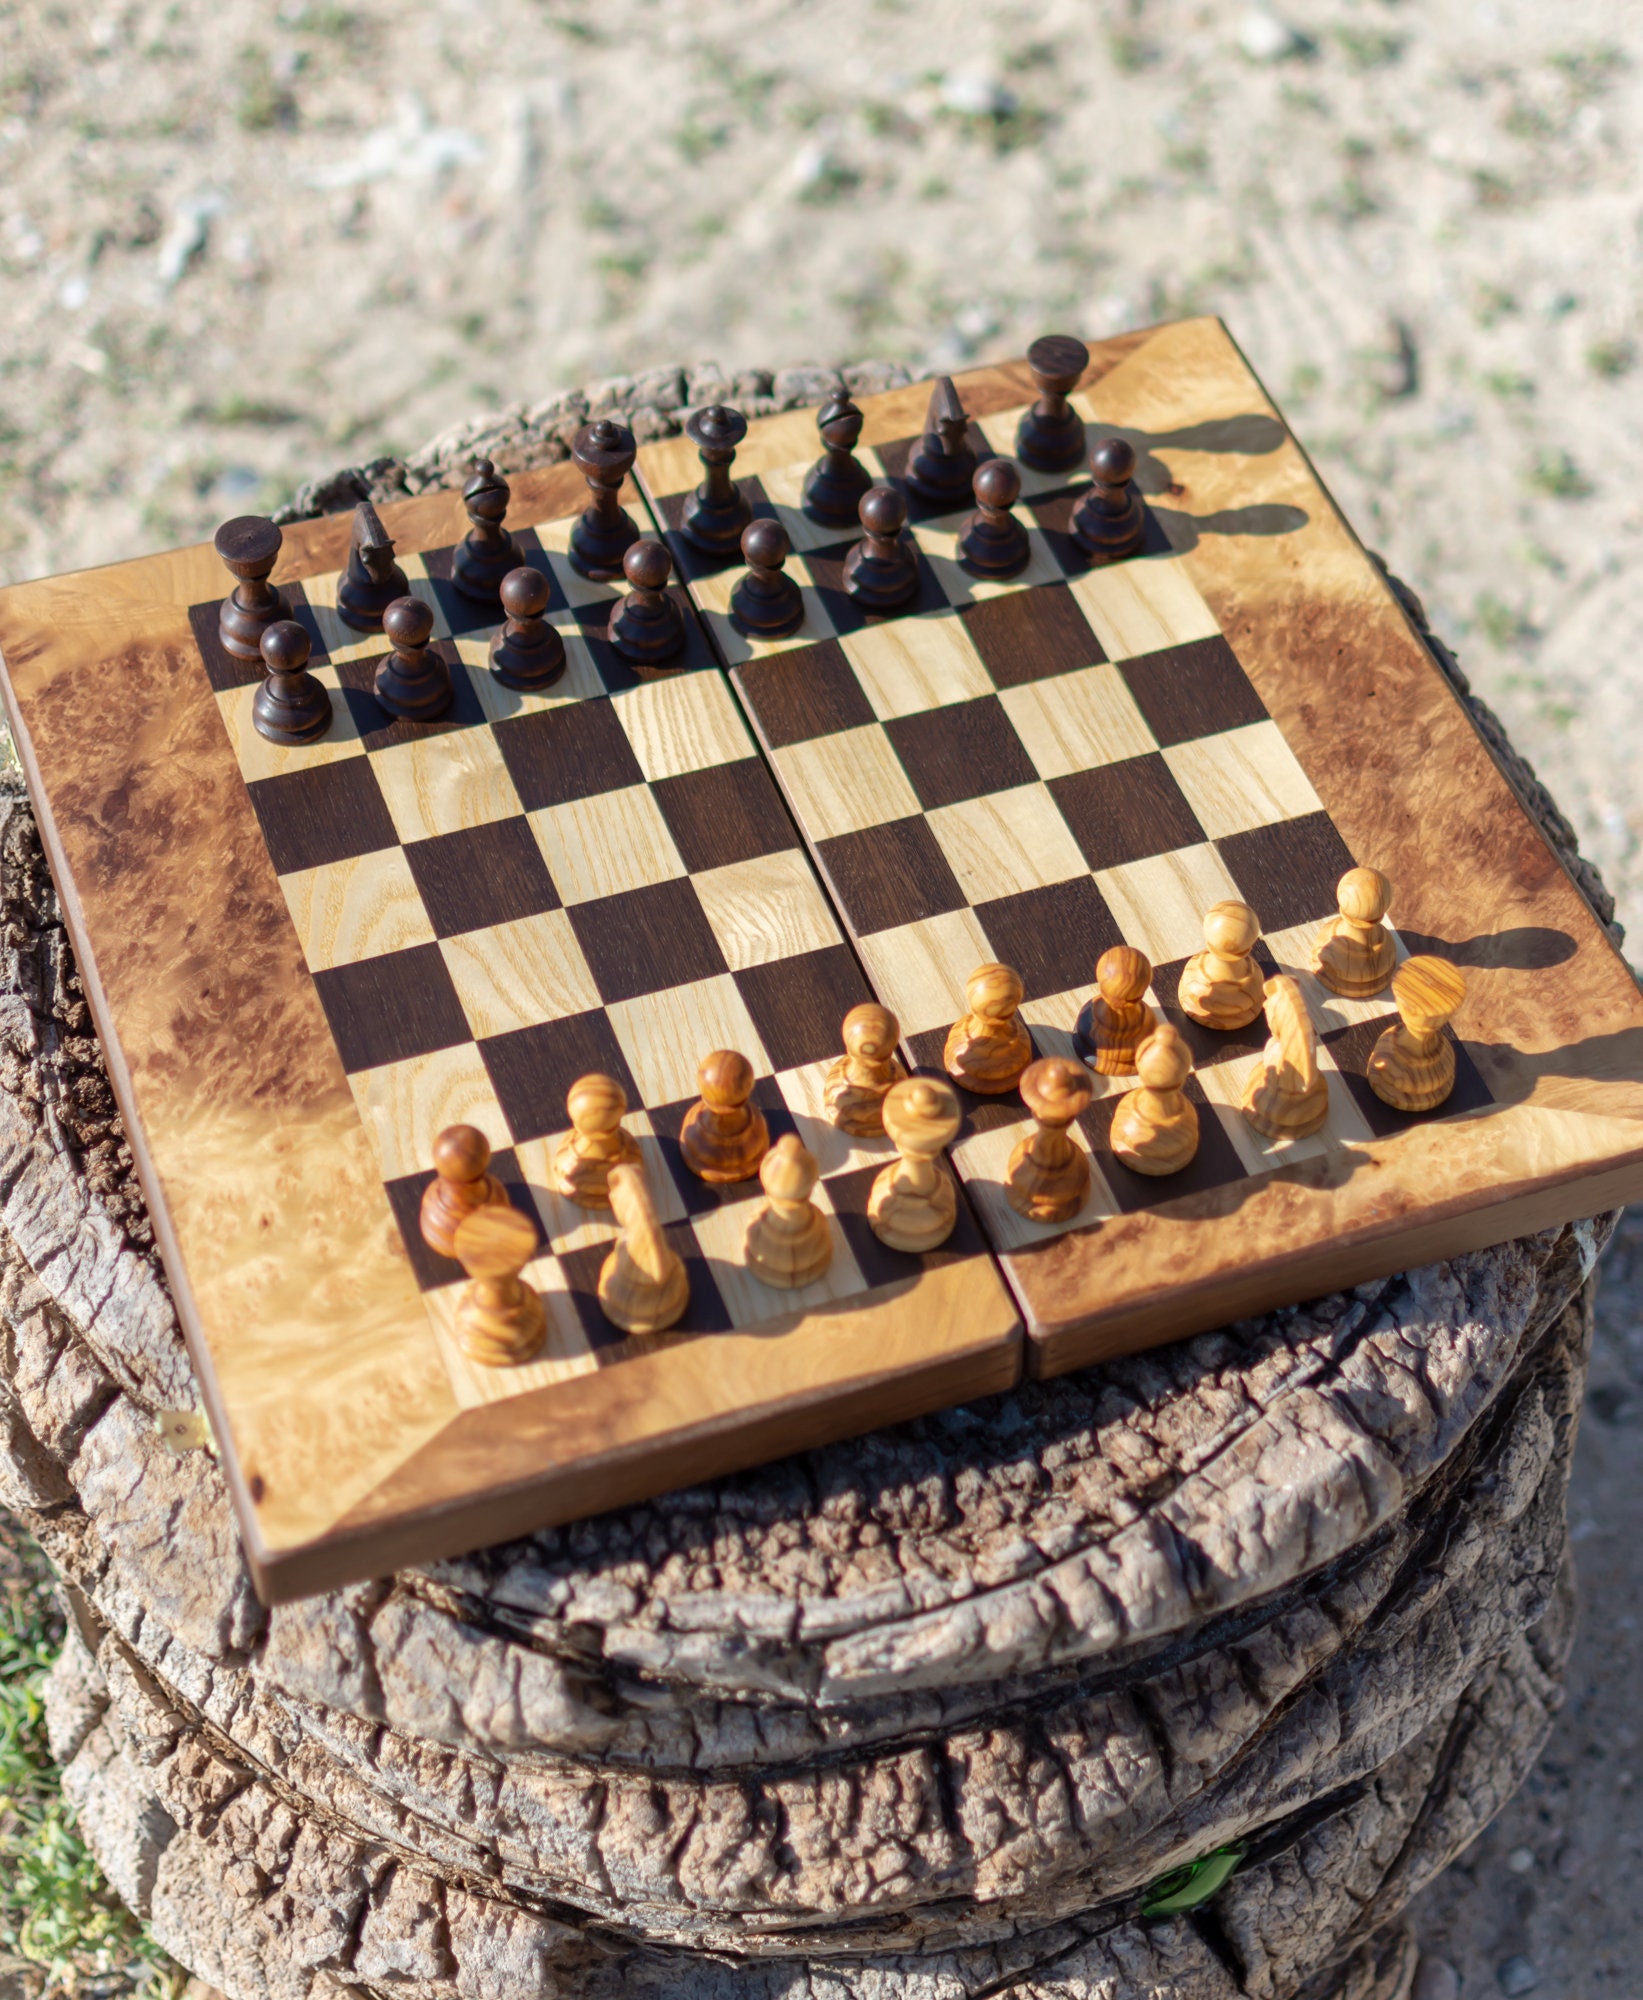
<point x="250" y="546"/>
<point x="528" y="652"/>
<point x="993" y="542"/>
<point x="1051" y="436"/>
<point x="717" y="512"/>
<point x="881" y="571"/>
<point x="766" y="603"/>
<point x="372" y="579"/>
<point x="291" y="706"/>
<point x="487" y="552"/>
<point x="412" y="682"/>
<point x="835" y="483"/>
<point x="604" y="452"/>
<point x="944" y="461"/>
<point x="1110" y="522"/>
<point x="646" y="626"/>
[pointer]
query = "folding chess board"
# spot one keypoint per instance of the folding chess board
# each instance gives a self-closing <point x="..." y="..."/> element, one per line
<point x="306" y="962"/>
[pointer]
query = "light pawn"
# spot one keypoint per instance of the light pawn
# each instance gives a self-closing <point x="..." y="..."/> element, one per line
<point x="596" y="1142"/>
<point x="1113" y="1025"/>
<point x="988" y="1046"/>
<point x="788" y="1241"/>
<point x="1412" y="1065"/>
<point x="462" y="1183"/>
<point x="724" y="1136"/>
<point x="859" y="1080"/>
<point x="913" y="1203"/>
<point x="1222" y="986"/>
<point x="1155" y="1129"/>
<point x="1354" y="953"/>
<point x="642" y="1283"/>
<point x="500" y="1319"/>
<point x="1286" y="1096"/>
<point x="1048" y="1176"/>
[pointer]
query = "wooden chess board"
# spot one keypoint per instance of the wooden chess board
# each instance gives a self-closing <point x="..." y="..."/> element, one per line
<point x="305" y="962"/>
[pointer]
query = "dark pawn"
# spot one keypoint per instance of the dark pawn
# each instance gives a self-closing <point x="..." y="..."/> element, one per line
<point x="412" y="681"/>
<point x="835" y="483"/>
<point x="528" y="652"/>
<point x="881" y="571"/>
<point x="944" y="461"/>
<point x="604" y="453"/>
<point x="487" y="552"/>
<point x="766" y="602"/>
<point x="250" y="546"/>
<point x="373" y="579"/>
<point x="994" y="543"/>
<point x="1110" y="522"/>
<point x="646" y="626"/>
<point x="717" y="513"/>
<point x="291" y="706"/>
<point x="1051" y="436"/>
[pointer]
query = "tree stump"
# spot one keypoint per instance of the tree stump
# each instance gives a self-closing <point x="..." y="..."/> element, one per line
<point x="918" y="1717"/>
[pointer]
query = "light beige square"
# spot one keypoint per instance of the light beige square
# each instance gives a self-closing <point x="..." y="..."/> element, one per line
<point x="1224" y="1084"/>
<point x="606" y="845"/>
<point x="804" y="1091"/>
<point x="908" y="665"/>
<point x="766" y="909"/>
<point x="579" y="682"/>
<point x="845" y="782"/>
<point x="1241" y="779"/>
<point x="361" y="908"/>
<point x="940" y="542"/>
<point x="579" y="590"/>
<point x="1142" y="606"/>
<point x="919" y="970"/>
<point x="445" y="783"/>
<point x="406" y="1105"/>
<point x="258" y="758"/>
<point x="1007" y="842"/>
<point x="1078" y="722"/>
<point x="519" y="974"/>
<point x="685" y="724"/>
<point x="1295" y="950"/>
<point x="722" y="1233"/>
<point x="665" y="1035"/>
<point x="712" y="595"/>
<point x="1159" y="903"/>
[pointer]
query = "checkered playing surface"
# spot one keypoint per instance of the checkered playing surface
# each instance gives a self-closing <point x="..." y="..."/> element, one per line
<point x="1032" y="771"/>
<point x="602" y="876"/>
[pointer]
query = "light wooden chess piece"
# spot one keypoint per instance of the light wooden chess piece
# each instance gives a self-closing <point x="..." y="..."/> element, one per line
<point x="1411" y="1066"/>
<point x="596" y="1142"/>
<point x="858" y="1080"/>
<point x="1119" y="1019"/>
<point x="1353" y="955"/>
<point x="1286" y="1096"/>
<point x="642" y="1283"/>
<point x="462" y="1154"/>
<point x="788" y="1241"/>
<point x="499" y="1317"/>
<point x="1048" y="1177"/>
<point x="724" y="1136"/>
<point x="1222" y="986"/>
<point x="913" y="1203"/>
<point x="988" y="1046"/>
<point x="1155" y="1129"/>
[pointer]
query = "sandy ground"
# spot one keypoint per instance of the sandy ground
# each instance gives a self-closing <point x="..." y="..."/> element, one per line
<point x="241" y="242"/>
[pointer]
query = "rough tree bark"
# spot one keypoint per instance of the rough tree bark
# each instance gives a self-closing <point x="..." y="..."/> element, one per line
<point x="918" y="1718"/>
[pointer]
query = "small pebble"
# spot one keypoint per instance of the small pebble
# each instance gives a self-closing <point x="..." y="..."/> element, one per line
<point x="1264" y="38"/>
<point x="1521" y="1860"/>
<point x="1571" y="1860"/>
<point x="1435" y="1979"/>
<point x="1517" y="1975"/>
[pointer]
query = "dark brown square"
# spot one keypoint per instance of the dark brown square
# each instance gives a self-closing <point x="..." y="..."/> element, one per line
<point x="378" y="727"/>
<point x="1287" y="873"/>
<point x="389" y="1009"/>
<point x="1215" y="1164"/>
<point x="879" y="1264"/>
<point x="959" y="752"/>
<point x="532" y="1069"/>
<point x="1194" y="690"/>
<point x="797" y="1003"/>
<point x="1051" y="936"/>
<point x="618" y="673"/>
<point x="897" y="455"/>
<point x="405" y="1199"/>
<point x="889" y="875"/>
<point x="689" y="561"/>
<point x="1124" y="812"/>
<point x="1028" y="635"/>
<point x="329" y="812"/>
<point x="647" y="940"/>
<point x="1352" y="1047"/>
<point x="729" y="812"/>
<point x="811" y="691"/>
<point x="557" y="755"/>
<point x="482" y="876"/>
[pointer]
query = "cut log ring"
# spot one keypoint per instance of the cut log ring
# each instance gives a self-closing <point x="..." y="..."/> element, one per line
<point x="932" y="1707"/>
